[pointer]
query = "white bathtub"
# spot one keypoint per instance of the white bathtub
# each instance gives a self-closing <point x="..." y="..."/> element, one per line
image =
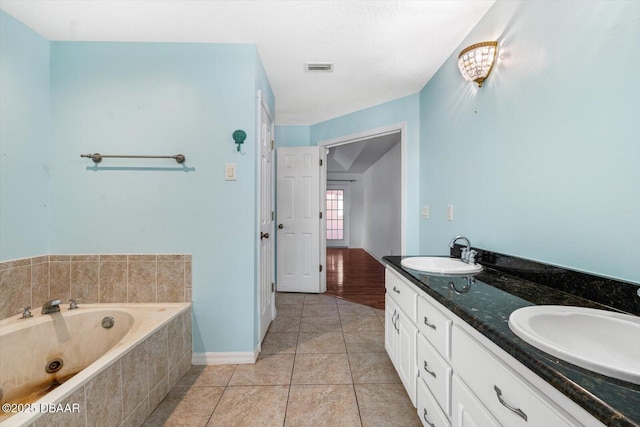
<point x="138" y="360"/>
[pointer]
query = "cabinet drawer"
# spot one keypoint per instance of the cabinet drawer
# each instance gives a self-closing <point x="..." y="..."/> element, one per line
<point x="500" y="389"/>
<point x="435" y="326"/>
<point x="436" y="373"/>
<point x="428" y="410"/>
<point x="403" y="294"/>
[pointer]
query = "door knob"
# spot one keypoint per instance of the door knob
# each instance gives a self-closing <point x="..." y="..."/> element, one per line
<point x="280" y="226"/>
<point x="264" y="235"/>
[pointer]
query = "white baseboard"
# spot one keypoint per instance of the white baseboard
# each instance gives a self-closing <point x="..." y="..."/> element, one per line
<point x="228" y="358"/>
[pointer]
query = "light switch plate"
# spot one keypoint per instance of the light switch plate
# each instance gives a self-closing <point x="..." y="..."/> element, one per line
<point x="450" y="212"/>
<point x="425" y="212"/>
<point x="230" y="172"/>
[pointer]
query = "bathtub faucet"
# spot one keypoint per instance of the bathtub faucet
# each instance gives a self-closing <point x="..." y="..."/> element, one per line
<point x="51" y="306"/>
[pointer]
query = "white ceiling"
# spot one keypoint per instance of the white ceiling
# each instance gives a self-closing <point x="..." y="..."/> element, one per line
<point x="381" y="49"/>
<point x="357" y="157"/>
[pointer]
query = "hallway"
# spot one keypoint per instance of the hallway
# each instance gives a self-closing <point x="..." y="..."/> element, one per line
<point x="354" y="275"/>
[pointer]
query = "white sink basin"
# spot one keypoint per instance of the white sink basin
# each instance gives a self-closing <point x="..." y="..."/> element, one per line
<point x="597" y="340"/>
<point x="440" y="265"/>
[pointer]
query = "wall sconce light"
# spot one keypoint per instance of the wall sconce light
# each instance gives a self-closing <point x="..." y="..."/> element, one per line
<point x="239" y="136"/>
<point x="476" y="61"/>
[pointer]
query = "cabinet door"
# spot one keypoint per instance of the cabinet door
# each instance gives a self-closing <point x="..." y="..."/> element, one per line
<point x="407" y="354"/>
<point x="467" y="409"/>
<point x="390" y="329"/>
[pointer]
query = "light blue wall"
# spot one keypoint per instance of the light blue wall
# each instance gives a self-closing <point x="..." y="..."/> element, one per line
<point x="543" y="161"/>
<point x="407" y="110"/>
<point x="293" y="136"/>
<point x="163" y="99"/>
<point x="25" y="155"/>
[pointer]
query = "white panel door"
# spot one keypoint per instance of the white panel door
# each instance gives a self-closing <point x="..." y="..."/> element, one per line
<point x="267" y="278"/>
<point x="299" y="222"/>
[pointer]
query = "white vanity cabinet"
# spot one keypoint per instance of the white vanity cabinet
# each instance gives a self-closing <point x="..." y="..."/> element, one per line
<point x="458" y="377"/>
<point x="400" y="329"/>
<point x="509" y="398"/>
<point x="467" y="409"/>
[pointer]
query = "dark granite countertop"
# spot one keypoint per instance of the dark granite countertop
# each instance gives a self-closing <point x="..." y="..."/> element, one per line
<point x="485" y="302"/>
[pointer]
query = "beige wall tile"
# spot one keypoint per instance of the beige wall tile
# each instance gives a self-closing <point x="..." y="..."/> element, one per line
<point x="91" y="278"/>
<point x="187" y="331"/>
<point x="187" y="274"/>
<point x="175" y="341"/>
<point x="158" y="393"/>
<point x="171" y="257"/>
<point x="104" y="398"/>
<point x="15" y="290"/>
<point x="113" y="257"/>
<point x="158" y="352"/>
<point x="15" y="263"/>
<point x="85" y="258"/>
<point x="135" y="379"/>
<point x="141" y="282"/>
<point x="39" y="284"/>
<point x="170" y="281"/>
<point x="142" y="258"/>
<point x="85" y="281"/>
<point x="113" y="281"/>
<point x="40" y="259"/>
<point x="67" y="419"/>
<point x="60" y="280"/>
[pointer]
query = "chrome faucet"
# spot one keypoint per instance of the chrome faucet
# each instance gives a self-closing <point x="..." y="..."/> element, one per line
<point x="467" y="255"/>
<point x="51" y="306"/>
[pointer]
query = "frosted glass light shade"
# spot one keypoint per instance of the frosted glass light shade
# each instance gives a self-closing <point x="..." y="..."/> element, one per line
<point x="476" y="61"/>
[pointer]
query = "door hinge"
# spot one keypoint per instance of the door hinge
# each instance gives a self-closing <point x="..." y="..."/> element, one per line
<point x="272" y="144"/>
<point x="320" y="268"/>
<point x="273" y="215"/>
<point x="273" y="287"/>
<point x="320" y="162"/>
<point x="320" y="215"/>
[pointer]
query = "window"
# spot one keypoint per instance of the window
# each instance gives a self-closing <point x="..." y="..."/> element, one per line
<point x="335" y="214"/>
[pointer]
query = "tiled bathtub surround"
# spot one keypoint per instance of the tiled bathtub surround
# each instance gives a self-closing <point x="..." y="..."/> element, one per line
<point x="121" y="278"/>
<point x="127" y="391"/>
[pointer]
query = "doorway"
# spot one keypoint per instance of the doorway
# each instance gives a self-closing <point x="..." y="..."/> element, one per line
<point x="369" y="169"/>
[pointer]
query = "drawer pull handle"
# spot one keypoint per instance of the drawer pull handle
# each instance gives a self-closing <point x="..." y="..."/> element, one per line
<point x="396" y="290"/>
<point x="509" y="407"/>
<point x="397" y="323"/>
<point x="426" y="322"/>
<point x="426" y="368"/>
<point x="426" y="419"/>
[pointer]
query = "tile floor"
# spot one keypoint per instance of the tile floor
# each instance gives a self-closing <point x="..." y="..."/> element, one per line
<point x="323" y="363"/>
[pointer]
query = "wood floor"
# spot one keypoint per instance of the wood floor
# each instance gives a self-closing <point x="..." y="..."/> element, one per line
<point x="354" y="275"/>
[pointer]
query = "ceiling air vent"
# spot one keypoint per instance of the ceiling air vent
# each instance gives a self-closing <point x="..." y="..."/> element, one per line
<point x="319" y="66"/>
